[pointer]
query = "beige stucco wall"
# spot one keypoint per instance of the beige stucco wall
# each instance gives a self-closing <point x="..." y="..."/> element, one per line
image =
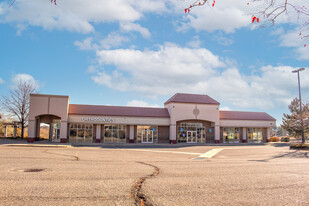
<point x="185" y="111"/>
<point x="120" y="120"/>
<point x="246" y="123"/>
<point x="49" y="104"/>
<point x="41" y="104"/>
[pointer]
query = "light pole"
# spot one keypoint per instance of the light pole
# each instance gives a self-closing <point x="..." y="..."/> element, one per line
<point x="300" y="105"/>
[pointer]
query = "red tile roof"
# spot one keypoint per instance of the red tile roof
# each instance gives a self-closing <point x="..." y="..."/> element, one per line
<point x="236" y="115"/>
<point x="191" y="98"/>
<point x="78" y="109"/>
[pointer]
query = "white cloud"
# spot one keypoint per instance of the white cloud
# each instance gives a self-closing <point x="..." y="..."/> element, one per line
<point x="76" y="15"/>
<point x="92" y="69"/>
<point x="195" y="43"/>
<point x="292" y="39"/>
<point x="18" y="78"/>
<point x="153" y="70"/>
<point x="222" y="40"/>
<point x="20" y="29"/>
<point x="157" y="6"/>
<point x="225" y="108"/>
<point x="172" y="69"/>
<point x="229" y="16"/>
<point x="86" y="44"/>
<point x="113" y="40"/>
<point x="2" y="81"/>
<point x="116" y="80"/>
<point x="138" y="103"/>
<point x="226" y="16"/>
<point x="128" y="27"/>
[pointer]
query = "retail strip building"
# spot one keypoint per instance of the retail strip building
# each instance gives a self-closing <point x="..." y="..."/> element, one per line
<point x="185" y="118"/>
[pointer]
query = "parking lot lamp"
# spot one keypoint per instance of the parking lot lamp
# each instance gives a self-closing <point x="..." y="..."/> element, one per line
<point x="300" y="105"/>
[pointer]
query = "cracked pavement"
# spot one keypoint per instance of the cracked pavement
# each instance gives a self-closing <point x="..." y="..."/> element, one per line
<point x="237" y="175"/>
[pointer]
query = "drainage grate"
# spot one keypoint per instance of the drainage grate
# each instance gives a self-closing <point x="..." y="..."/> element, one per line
<point x="29" y="170"/>
<point x="33" y="170"/>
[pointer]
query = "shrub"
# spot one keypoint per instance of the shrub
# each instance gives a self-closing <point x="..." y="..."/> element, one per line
<point x="299" y="146"/>
<point x="274" y="139"/>
<point x="285" y="139"/>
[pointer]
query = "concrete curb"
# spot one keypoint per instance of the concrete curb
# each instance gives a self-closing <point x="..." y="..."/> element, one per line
<point x="36" y="145"/>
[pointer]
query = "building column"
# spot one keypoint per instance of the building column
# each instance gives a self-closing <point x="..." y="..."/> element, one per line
<point x="31" y="131"/>
<point x="5" y="130"/>
<point x="131" y="137"/>
<point x="37" y="129"/>
<point x="63" y="131"/>
<point x="98" y="133"/>
<point x="15" y="130"/>
<point x="173" y="139"/>
<point x="268" y="134"/>
<point x="217" y="133"/>
<point x="244" y="135"/>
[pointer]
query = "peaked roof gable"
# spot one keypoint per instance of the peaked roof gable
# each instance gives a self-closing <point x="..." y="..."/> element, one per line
<point x="191" y="98"/>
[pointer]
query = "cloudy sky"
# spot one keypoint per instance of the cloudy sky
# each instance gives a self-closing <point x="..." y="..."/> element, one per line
<point x="139" y="53"/>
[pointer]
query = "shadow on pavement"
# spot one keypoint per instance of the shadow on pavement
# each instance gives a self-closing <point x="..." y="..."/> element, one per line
<point x="280" y="144"/>
<point x="294" y="154"/>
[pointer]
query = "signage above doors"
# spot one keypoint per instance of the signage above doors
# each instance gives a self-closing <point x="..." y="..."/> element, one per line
<point x="97" y="119"/>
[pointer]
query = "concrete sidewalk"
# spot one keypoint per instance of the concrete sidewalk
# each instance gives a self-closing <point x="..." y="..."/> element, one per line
<point x="47" y="143"/>
<point x="23" y="143"/>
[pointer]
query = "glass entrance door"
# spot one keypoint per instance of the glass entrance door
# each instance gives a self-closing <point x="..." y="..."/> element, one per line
<point x="55" y="131"/>
<point x="191" y="137"/>
<point x="147" y="136"/>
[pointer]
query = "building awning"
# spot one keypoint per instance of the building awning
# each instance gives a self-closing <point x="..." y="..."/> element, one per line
<point x="102" y="110"/>
<point x="237" y="115"/>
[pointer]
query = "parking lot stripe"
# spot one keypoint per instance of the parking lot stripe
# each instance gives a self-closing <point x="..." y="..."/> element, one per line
<point x="210" y="153"/>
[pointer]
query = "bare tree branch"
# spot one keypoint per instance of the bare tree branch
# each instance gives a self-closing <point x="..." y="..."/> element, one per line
<point x="18" y="102"/>
<point x="270" y="11"/>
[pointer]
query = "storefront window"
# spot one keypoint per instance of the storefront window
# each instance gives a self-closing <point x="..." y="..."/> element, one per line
<point x="255" y="135"/>
<point x="231" y="135"/>
<point x="115" y="133"/>
<point x="147" y="134"/>
<point x="191" y="133"/>
<point x="80" y="132"/>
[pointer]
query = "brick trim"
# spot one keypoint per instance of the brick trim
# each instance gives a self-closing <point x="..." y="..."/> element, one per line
<point x="62" y="140"/>
<point x="173" y="141"/>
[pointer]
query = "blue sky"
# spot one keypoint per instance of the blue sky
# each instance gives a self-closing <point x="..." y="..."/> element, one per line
<point x="123" y="53"/>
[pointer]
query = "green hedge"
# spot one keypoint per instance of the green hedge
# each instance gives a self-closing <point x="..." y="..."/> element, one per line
<point x="285" y="139"/>
<point x="299" y="146"/>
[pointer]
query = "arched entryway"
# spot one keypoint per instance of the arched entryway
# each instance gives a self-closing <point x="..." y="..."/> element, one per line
<point x="195" y="131"/>
<point x="53" y="123"/>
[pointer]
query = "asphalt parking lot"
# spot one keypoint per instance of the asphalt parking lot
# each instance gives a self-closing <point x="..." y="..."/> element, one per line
<point x="195" y="175"/>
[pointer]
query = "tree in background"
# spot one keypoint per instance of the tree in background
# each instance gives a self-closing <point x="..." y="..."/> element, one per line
<point x="279" y="131"/>
<point x="17" y="103"/>
<point x="2" y="120"/>
<point x="292" y="122"/>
